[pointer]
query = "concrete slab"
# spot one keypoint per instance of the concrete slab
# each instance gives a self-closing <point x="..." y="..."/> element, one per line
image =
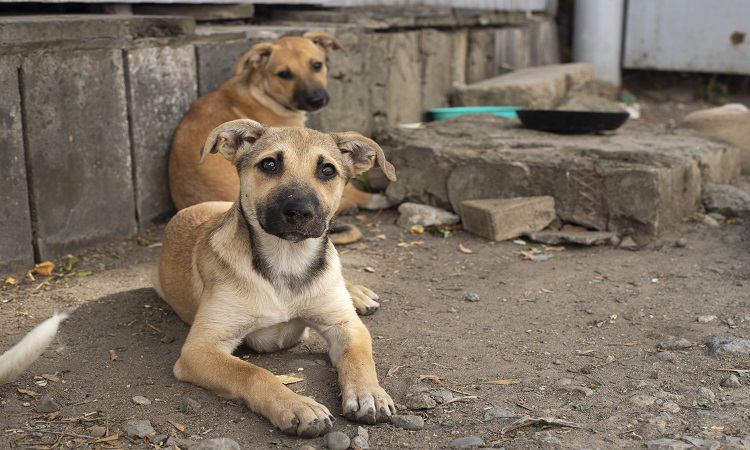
<point x="437" y="56"/>
<point x="216" y="59"/>
<point x="78" y="148"/>
<point x="161" y="87"/>
<point x="637" y="181"/>
<point x="16" y="250"/>
<point x="404" y="95"/>
<point x="480" y="55"/>
<point x="536" y="87"/>
<point x="500" y="219"/>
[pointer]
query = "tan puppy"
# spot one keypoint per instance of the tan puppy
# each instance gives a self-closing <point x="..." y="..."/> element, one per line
<point x="262" y="270"/>
<point x="729" y="123"/>
<point x="275" y="83"/>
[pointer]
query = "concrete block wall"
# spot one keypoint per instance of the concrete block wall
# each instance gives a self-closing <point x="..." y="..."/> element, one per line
<point x="90" y="103"/>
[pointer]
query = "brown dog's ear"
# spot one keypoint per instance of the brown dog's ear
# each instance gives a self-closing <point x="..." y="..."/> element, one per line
<point x="326" y="41"/>
<point x="362" y="153"/>
<point x="232" y="139"/>
<point x="254" y="58"/>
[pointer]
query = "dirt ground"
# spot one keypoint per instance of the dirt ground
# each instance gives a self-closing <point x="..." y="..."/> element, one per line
<point x="587" y="334"/>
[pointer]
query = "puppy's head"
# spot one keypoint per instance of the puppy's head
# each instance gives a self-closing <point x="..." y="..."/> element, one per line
<point x="292" y="179"/>
<point x="291" y="70"/>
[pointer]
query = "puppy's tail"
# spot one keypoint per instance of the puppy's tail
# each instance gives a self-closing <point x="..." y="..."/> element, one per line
<point x="23" y="354"/>
<point x="345" y="234"/>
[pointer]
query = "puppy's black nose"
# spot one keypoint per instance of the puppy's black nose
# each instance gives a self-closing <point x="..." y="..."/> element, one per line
<point x="297" y="213"/>
<point x="318" y="99"/>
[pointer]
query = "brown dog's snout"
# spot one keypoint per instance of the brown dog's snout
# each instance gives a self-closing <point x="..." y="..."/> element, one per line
<point x="312" y="100"/>
<point x="297" y="212"/>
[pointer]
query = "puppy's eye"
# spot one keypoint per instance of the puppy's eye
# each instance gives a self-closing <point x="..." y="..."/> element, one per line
<point x="268" y="165"/>
<point x="317" y="65"/>
<point x="285" y="75"/>
<point x="327" y="171"/>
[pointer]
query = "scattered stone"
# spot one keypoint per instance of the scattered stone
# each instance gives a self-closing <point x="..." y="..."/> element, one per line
<point x="337" y="440"/>
<point x="681" y="243"/>
<point x="677" y="344"/>
<point x="499" y="219"/>
<point x="707" y="394"/>
<point x="362" y="431"/>
<point x="497" y="412"/>
<point x="138" y="429"/>
<point x="702" y="444"/>
<point x="180" y="442"/>
<point x="723" y="345"/>
<point x="442" y="396"/>
<point x="189" y="406"/>
<point x="167" y="339"/>
<point x="417" y="214"/>
<point x="743" y="318"/>
<point x="359" y="441"/>
<point x="224" y="444"/>
<point x="140" y="400"/>
<point x="452" y="310"/>
<point x="628" y="243"/>
<point x="97" y="431"/>
<point x="47" y="404"/>
<point x="667" y="444"/>
<point x="731" y="381"/>
<point x="707" y="319"/>
<point x="546" y="437"/>
<point x="725" y="199"/>
<point x="158" y="439"/>
<point x="666" y="356"/>
<point x="670" y="407"/>
<point x="471" y="297"/>
<point x="552" y="237"/>
<point x="467" y="442"/>
<point x="642" y="400"/>
<point x="421" y="400"/>
<point x="710" y="221"/>
<point x="709" y="413"/>
<point x="408" y="422"/>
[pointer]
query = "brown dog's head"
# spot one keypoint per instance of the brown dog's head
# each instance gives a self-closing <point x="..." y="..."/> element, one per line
<point x="292" y="179"/>
<point x="291" y="70"/>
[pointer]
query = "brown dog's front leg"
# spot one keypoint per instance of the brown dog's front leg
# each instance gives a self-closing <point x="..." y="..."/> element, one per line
<point x="363" y="400"/>
<point x="212" y="367"/>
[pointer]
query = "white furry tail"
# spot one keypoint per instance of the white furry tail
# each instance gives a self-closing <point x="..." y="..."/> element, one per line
<point x="23" y="354"/>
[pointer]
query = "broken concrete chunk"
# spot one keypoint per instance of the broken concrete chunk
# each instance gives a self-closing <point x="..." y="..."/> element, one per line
<point x="726" y="199"/>
<point x="499" y="219"/>
<point x="553" y="237"/>
<point x="723" y="345"/>
<point x="427" y="216"/>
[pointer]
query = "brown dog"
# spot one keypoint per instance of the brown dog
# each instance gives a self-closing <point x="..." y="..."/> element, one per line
<point x="262" y="270"/>
<point x="275" y="83"/>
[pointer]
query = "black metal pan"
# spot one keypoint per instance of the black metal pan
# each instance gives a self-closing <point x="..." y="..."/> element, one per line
<point x="571" y="122"/>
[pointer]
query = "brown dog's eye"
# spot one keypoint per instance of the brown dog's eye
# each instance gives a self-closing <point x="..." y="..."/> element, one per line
<point x="285" y="75"/>
<point x="268" y="165"/>
<point x="327" y="171"/>
<point x="317" y="65"/>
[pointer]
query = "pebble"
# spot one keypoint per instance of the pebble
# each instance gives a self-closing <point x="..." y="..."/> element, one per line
<point x="421" y="400"/>
<point x="189" y="405"/>
<point x="710" y="222"/>
<point x="707" y="394"/>
<point x="140" y="400"/>
<point x="667" y="444"/>
<point x="442" y="396"/>
<point x="180" y="442"/>
<point x="467" y="442"/>
<point x="666" y="356"/>
<point x="97" y="431"/>
<point x="359" y="441"/>
<point x="452" y="310"/>
<point x="628" y="243"/>
<point x="47" y="404"/>
<point x="137" y="429"/>
<point x="546" y="437"/>
<point x="427" y="216"/>
<point x="219" y="444"/>
<point x="408" y="422"/>
<point x="677" y="344"/>
<point x="707" y="319"/>
<point x="641" y="400"/>
<point x="670" y="407"/>
<point x="158" y="439"/>
<point x="362" y="432"/>
<point x="681" y="243"/>
<point x="497" y="412"/>
<point x="337" y="440"/>
<point x="723" y="345"/>
<point x="471" y="297"/>
<point x="709" y="413"/>
<point x="731" y="381"/>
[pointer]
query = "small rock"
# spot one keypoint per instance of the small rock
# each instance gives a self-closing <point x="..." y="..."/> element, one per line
<point x="97" y="431"/>
<point x="707" y="319"/>
<point x="47" y="404"/>
<point x="552" y="237"/>
<point x="421" y="400"/>
<point x="731" y="381"/>
<point x="359" y="441"/>
<point x="497" y="412"/>
<point x="670" y="407"/>
<point x="427" y="216"/>
<point x="710" y="222"/>
<point x="442" y="396"/>
<point x="709" y="413"/>
<point x="221" y="444"/>
<point x="702" y="444"/>
<point x="140" y="400"/>
<point x="642" y="400"/>
<point x="723" y="345"/>
<point x="471" y="297"/>
<point x="189" y="405"/>
<point x="467" y="442"/>
<point x="681" y="243"/>
<point x="167" y="339"/>
<point x="677" y="344"/>
<point x="667" y="444"/>
<point x="666" y="356"/>
<point x="452" y="310"/>
<point x="138" y="429"/>
<point x="158" y="439"/>
<point x="337" y="440"/>
<point x="408" y="422"/>
<point x="305" y="447"/>
<point x="628" y="243"/>
<point x="546" y="437"/>
<point x="180" y="442"/>
<point x="362" y="431"/>
<point x="726" y="200"/>
<point x="707" y="394"/>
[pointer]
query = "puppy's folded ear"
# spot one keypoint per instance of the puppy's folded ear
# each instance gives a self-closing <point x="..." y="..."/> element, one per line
<point x="362" y="154"/>
<point x="232" y="139"/>
<point x="326" y="41"/>
<point x="254" y="58"/>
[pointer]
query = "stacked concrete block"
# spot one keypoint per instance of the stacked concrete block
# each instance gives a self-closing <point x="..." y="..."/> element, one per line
<point x="404" y="78"/>
<point x="16" y="250"/>
<point x="500" y="219"/>
<point x="216" y="60"/>
<point x="76" y="123"/>
<point x="480" y="59"/>
<point x="161" y="87"/>
<point x="437" y="57"/>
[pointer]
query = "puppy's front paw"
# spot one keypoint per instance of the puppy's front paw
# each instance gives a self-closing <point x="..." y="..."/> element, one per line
<point x="368" y="405"/>
<point x="365" y="300"/>
<point x="301" y="416"/>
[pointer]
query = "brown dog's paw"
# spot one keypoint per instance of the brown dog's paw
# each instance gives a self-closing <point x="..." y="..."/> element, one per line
<point x="302" y="416"/>
<point x="365" y="300"/>
<point x="368" y="405"/>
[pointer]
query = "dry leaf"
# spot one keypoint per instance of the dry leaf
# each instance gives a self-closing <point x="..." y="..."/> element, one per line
<point x="369" y="269"/>
<point x="179" y="426"/>
<point x="141" y="241"/>
<point x="11" y="280"/>
<point x="464" y="249"/>
<point x="112" y="355"/>
<point x="114" y="437"/>
<point x="30" y="275"/>
<point x="28" y="392"/>
<point x="289" y="379"/>
<point x="434" y="378"/>
<point x="321" y="362"/>
<point x="416" y="229"/>
<point x="51" y="377"/>
<point x="45" y="268"/>
<point x="510" y="381"/>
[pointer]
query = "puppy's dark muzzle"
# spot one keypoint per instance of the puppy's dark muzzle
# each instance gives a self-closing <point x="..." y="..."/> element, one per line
<point x="295" y="219"/>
